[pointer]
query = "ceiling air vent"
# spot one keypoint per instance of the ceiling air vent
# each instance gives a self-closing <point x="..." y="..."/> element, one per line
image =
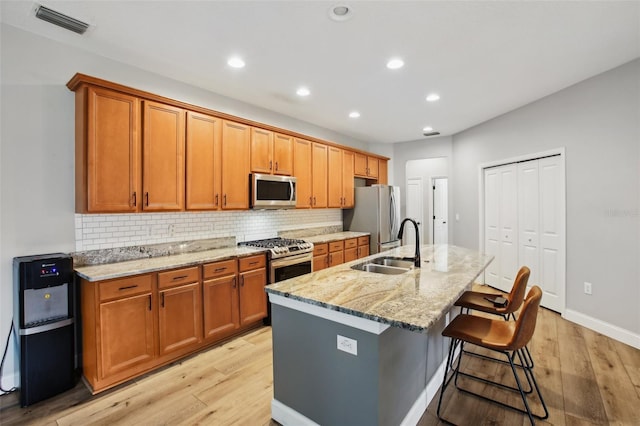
<point x="431" y="133"/>
<point x="61" y="20"/>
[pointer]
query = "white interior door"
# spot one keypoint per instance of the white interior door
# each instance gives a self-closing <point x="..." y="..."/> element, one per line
<point x="440" y="211"/>
<point x="552" y="260"/>
<point x="492" y="225"/>
<point x="529" y="218"/>
<point x="415" y="207"/>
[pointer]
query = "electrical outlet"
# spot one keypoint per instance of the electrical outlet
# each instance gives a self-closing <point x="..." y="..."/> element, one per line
<point x="172" y="230"/>
<point x="587" y="288"/>
<point x="348" y="345"/>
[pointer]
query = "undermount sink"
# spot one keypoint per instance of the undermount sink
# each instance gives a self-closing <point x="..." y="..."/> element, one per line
<point x="385" y="265"/>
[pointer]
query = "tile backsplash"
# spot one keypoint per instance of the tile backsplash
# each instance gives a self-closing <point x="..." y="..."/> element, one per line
<point x="101" y="231"/>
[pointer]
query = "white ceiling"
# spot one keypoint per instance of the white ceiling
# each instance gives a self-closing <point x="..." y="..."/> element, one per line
<point x="484" y="58"/>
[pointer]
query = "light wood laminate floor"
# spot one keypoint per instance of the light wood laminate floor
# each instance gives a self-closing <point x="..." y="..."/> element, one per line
<point x="586" y="379"/>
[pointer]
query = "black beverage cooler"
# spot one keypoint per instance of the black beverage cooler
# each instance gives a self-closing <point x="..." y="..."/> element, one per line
<point x="43" y="318"/>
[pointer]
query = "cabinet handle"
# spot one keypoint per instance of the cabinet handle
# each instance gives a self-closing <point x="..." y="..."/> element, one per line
<point x="225" y="199"/>
<point x="314" y="201"/>
<point x="256" y="262"/>
<point x="220" y="269"/>
<point x="276" y="166"/>
<point x="128" y="287"/>
<point x="146" y="195"/>
<point x="310" y="201"/>
<point x="234" y="282"/>
<point x="135" y="199"/>
<point x="242" y="280"/>
<point x="149" y="302"/>
<point x="162" y="300"/>
<point x="217" y="200"/>
<point x="179" y="277"/>
<point x="270" y="165"/>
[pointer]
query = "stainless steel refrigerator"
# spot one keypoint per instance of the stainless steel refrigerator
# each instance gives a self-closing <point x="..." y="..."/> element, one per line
<point x="377" y="211"/>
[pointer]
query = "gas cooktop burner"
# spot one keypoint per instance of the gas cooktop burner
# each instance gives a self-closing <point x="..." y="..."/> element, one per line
<point x="281" y="247"/>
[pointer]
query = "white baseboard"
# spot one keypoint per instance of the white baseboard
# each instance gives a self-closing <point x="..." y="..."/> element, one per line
<point x="609" y="330"/>
<point x="286" y="415"/>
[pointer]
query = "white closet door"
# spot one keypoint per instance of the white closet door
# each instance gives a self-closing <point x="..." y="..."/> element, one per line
<point x="529" y="218"/>
<point x="508" y="226"/>
<point x="552" y="261"/>
<point x="492" y="225"/>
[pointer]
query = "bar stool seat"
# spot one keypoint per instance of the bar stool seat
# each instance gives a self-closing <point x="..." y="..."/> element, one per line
<point x="507" y="337"/>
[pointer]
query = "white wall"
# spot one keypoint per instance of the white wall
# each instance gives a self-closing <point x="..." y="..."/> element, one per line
<point x="37" y="151"/>
<point x="597" y="121"/>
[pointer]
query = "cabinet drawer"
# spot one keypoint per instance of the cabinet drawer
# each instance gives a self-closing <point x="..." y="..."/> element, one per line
<point x="219" y="269"/>
<point x="320" y="249"/>
<point x="178" y="277"/>
<point x="336" y="246"/>
<point x="252" y="262"/>
<point x="363" y="241"/>
<point x="125" y="287"/>
<point x="350" y="243"/>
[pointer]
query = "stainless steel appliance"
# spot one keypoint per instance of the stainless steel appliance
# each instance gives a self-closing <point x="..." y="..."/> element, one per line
<point x="272" y="192"/>
<point x="43" y="316"/>
<point x="288" y="258"/>
<point x="376" y="211"/>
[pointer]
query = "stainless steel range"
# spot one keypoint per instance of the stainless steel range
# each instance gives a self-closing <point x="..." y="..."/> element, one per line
<point x="288" y="257"/>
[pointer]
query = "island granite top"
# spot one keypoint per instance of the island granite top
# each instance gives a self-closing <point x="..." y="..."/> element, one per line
<point x="414" y="300"/>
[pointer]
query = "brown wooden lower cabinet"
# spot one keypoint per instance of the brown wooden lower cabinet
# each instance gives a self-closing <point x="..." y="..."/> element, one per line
<point x="363" y="246"/>
<point x="336" y="253"/>
<point x="320" y="256"/>
<point x="350" y="249"/>
<point x="135" y="324"/>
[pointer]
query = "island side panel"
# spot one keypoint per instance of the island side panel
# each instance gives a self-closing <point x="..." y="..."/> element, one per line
<point x="314" y="378"/>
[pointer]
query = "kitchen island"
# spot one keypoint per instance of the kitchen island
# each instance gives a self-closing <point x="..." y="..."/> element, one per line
<point x="355" y="347"/>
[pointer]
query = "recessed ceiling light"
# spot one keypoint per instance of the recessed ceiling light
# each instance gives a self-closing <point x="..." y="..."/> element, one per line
<point x="236" y="62"/>
<point x="433" y="97"/>
<point x="427" y="129"/>
<point x="354" y="114"/>
<point x="395" y="63"/>
<point x="303" y="91"/>
<point x="340" y="12"/>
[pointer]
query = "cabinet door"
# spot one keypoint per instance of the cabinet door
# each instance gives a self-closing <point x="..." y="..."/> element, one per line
<point x="283" y="154"/>
<point x="350" y="254"/>
<point x="163" y="157"/>
<point x="334" y="170"/>
<point x="360" y="164"/>
<point x="203" y="162"/>
<point x="261" y="151"/>
<point x="236" y="146"/>
<point x="112" y="154"/>
<point x="372" y="167"/>
<point x="319" y="179"/>
<point x="382" y="172"/>
<point x="302" y="171"/>
<point x="336" y="258"/>
<point x="220" y="296"/>
<point x="180" y="318"/>
<point x="348" y="199"/>
<point x="253" y="298"/>
<point x="320" y="262"/>
<point x="126" y="334"/>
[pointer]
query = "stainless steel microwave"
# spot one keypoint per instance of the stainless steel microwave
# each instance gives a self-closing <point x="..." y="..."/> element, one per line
<point x="272" y="192"/>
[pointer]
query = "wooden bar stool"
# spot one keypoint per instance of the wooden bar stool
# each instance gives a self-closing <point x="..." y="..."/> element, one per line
<point x="506" y="337"/>
<point x="480" y="301"/>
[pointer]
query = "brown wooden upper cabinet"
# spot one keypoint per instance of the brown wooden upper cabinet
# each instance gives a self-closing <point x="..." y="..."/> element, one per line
<point x="271" y="153"/>
<point x="203" y="169"/>
<point x="365" y="166"/>
<point x="319" y="181"/>
<point x="340" y="175"/>
<point x="382" y="172"/>
<point x="302" y="172"/>
<point x="107" y="151"/>
<point x="163" y="157"/>
<point x="236" y="146"/>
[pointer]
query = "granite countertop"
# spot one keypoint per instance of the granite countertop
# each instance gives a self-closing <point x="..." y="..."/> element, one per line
<point x="414" y="300"/>
<point x="336" y="236"/>
<point x="143" y="266"/>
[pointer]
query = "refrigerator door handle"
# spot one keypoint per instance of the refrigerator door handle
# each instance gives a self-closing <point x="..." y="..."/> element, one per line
<point x="392" y="216"/>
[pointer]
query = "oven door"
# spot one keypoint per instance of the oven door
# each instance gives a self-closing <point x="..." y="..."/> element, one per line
<point x="290" y="267"/>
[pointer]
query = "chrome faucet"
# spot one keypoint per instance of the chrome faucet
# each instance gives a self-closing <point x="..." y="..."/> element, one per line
<point x="416" y="259"/>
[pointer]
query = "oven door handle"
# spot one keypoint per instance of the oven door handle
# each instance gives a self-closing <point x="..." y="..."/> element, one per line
<point x="292" y="260"/>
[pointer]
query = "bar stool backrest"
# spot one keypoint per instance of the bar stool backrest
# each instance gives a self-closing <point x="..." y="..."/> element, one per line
<point x="526" y="323"/>
<point x="516" y="296"/>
